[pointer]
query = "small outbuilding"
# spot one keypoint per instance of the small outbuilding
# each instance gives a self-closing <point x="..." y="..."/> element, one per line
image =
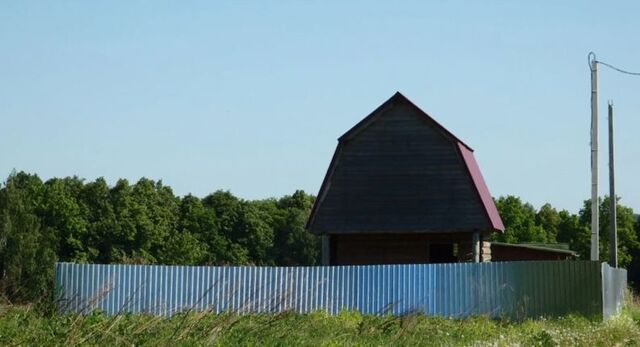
<point x="530" y="251"/>
<point x="402" y="189"/>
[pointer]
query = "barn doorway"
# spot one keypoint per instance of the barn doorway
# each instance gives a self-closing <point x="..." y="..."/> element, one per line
<point x="443" y="253"/>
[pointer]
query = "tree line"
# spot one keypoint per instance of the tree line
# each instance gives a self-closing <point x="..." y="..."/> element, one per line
<point x="524" y="224"/>
<point x="72" y="220"/>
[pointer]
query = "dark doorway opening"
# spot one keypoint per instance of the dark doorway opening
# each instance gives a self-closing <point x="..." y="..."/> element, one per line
<point x="442" y="253"/>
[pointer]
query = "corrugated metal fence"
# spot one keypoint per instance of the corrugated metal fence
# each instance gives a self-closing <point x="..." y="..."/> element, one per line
<point x="508" y="289"/>
<point x="614" y="284"/>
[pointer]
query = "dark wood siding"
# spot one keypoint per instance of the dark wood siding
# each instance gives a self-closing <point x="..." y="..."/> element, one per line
<point x="416" y="248"/>
<point x="378" y="249"/>
<point x="399" y="174"/>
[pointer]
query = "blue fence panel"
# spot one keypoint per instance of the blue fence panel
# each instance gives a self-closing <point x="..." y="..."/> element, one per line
<point x="507" y="289"/>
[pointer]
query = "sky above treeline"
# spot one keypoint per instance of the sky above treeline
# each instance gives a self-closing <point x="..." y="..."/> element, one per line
<point x="251" y="96"/>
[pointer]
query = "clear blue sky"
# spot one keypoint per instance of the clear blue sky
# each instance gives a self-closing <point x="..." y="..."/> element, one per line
<point x="251" y="96"/>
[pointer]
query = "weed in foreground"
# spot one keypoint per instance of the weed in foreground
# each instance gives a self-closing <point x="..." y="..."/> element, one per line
<point x="27" y="326"/>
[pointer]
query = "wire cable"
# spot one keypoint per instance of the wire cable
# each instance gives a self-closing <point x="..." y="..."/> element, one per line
<point x="617" y="69"/>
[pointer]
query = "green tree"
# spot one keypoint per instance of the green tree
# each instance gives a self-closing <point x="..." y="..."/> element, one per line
<point x="520" y="221"/>
<point x="155" y="212"/>
<point x="549" y="220"/>
<point x="27" y="248"/>
<point x="100" y="243"/>
<point x="572" y="231"/>
<point x="293" y="244"/>
<point x="201" y="222"/>
<point x="182" y="248"/>
<point x="227" y="210"/>
<point x="254" y="233"/>
<point x="627" y="237"/>
<point x="60" y="211"/>
<point x="124" y="231"/>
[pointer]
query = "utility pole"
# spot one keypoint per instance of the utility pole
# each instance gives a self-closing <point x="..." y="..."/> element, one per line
<point x="594" y="158"/>
<point x="613" y="225"/>
<point x="613" y="232"/>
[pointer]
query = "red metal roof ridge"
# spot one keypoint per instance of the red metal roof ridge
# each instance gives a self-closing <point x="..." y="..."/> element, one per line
<point x="481" y="188"/>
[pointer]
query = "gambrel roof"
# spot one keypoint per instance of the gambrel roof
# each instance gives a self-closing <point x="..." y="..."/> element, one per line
<point x="399" y="171"/>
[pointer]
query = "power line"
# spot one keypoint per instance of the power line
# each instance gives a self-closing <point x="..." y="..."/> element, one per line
<point x="618" y="69"/>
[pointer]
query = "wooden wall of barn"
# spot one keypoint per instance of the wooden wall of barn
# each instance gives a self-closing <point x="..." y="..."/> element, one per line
<point x="415" y="248"/>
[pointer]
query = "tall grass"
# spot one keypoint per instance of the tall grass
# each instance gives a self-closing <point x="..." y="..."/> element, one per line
<point x="25" y="325"/>
<point x="39" y="324"/>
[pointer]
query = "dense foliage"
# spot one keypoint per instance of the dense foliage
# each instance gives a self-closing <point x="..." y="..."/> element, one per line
<point x="523" y="224"/>
<point x="145" y="223"/>
<point x="69" y="219"/>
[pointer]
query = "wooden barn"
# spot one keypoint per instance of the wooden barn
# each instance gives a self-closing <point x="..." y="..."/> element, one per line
<point x="402" y="189"/>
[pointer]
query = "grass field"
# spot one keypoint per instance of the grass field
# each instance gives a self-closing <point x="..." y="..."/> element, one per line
<point x="25" y="326"/>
